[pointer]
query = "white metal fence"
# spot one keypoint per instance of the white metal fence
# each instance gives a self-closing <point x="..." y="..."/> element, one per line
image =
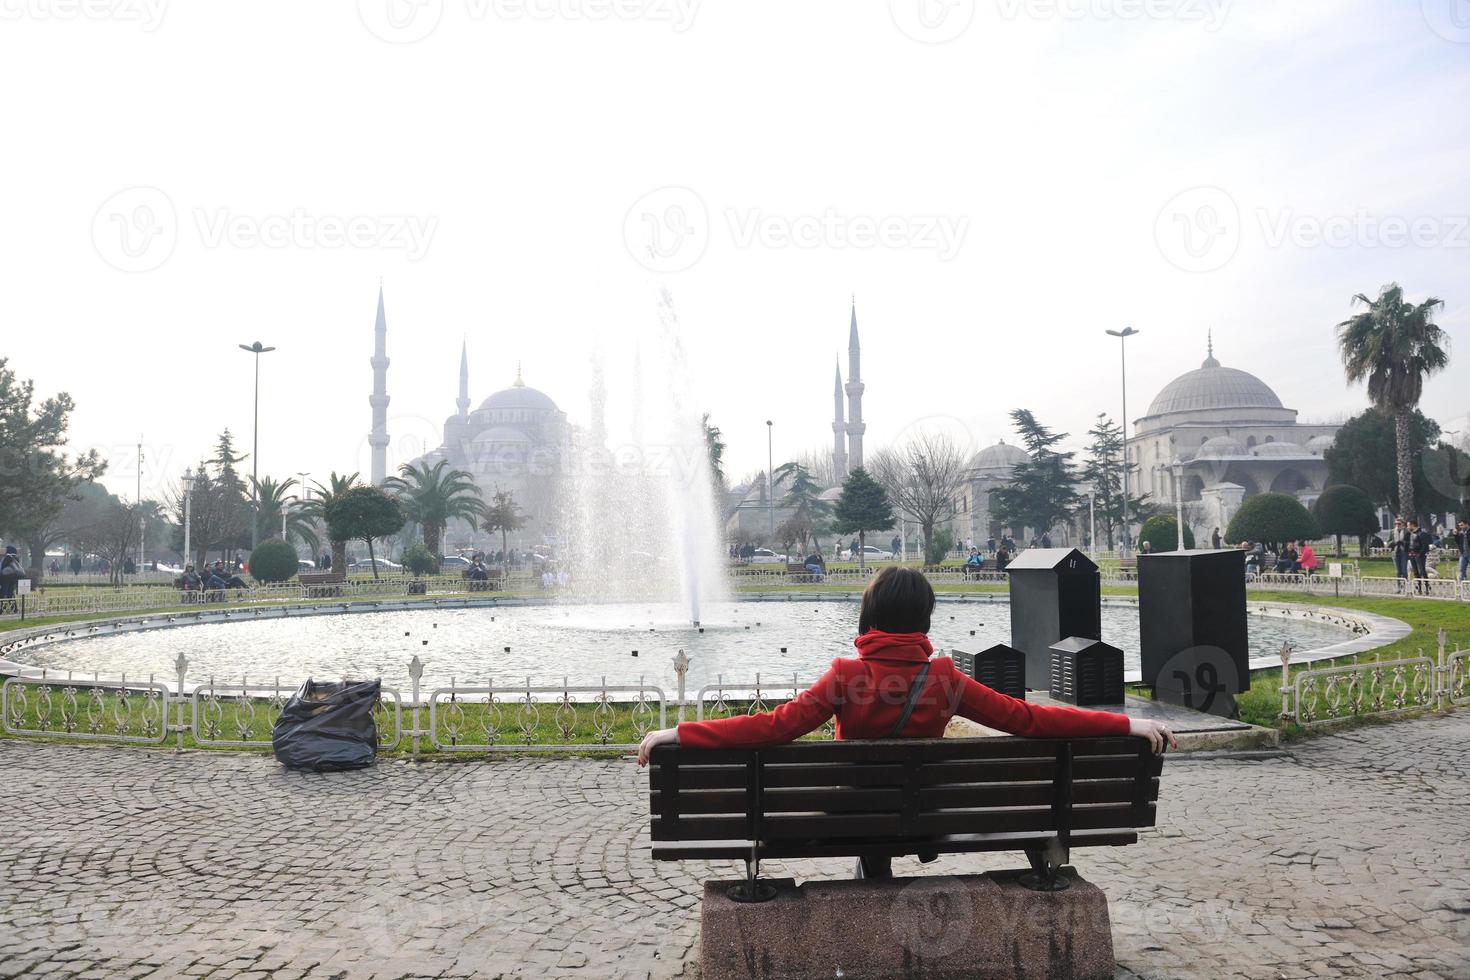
<point x="1324" y="695"/>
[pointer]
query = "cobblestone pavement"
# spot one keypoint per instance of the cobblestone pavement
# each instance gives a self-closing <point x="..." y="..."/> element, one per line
<point x="1346" y="857"/>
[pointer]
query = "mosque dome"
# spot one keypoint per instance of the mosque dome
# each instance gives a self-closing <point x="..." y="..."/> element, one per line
<point x="518" y="398"/>
<point x="1219" y="447"/>
<point x="1211" y="386"/>
<point x="999" y="457"/>
<point x="501" y="436"/>
<point x="1280" y="449"/>
<point x="1318" y="445"/>
<point x="832" y="494"/>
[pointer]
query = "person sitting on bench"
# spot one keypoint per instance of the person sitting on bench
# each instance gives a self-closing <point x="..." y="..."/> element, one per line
<point x="892" y="689"/>
<point x="815" y="565"/>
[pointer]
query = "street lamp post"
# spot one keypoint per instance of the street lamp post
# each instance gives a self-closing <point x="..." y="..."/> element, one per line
<point x="138" y="497"/>
<point x="188" y="492"/>
<point x="1091" y="525"/>
<point x="1123" y="336"/>
<point x="257" y="349"/>
<point x="771" y="482"/>
<point x="1178" y="469"/>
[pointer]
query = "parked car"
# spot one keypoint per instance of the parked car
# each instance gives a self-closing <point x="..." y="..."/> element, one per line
<point x="454" y="563"/>
<point x="302" y="565"/>
<point x="871" y="553"/>
<point x="765" y="556"/>
<point x="366" y="565"/>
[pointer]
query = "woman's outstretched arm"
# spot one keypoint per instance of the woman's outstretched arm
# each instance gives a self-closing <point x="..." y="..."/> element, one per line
<point x="788" y="722"/>
<point x="1007" y="714"/>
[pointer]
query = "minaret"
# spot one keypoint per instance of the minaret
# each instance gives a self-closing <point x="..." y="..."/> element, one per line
<point x="839" y="429"/>
<point x="379" y="400"/>
<point x="463" y="401"/>
<point x="855" y="426"/>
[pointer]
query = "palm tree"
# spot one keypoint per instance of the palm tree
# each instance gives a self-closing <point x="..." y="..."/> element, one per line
<point x="273" y="503"/>
<point x="503" y="516"/>
<point x="1394" y="345"/>
<point x="432" y="496"/>
<point x="315" y="510"/>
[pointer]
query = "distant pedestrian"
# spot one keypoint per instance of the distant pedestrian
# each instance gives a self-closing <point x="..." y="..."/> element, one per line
<point x="1046" y="540"/>
<point x="1462" y="541"/>
<point x="11" y="572"/>
<point x="1418" y="554"/>
<point x="76" y="564"/>
<point x="1307" y="558"/>
<point x="1398" y="541"/>
<point x="1215" y="539"/>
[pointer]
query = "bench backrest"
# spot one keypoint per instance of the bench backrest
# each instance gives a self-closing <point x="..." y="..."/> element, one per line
<point x="903" y="788"/>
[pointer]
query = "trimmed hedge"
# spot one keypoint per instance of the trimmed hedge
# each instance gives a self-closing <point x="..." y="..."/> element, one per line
<point x="273" y="561"/>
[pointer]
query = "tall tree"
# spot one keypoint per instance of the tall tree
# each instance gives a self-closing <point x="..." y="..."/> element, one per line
<point x="803" y="495"/>
<point x="922" y="477"/>
<point x="1042" y="492"/>
<point x="1364" y="454"/>
<point x="502" y="516"/>
<point x="367" y="513"/>
<point x="714" y="444"/>
<point x="1104" y="471"/>
<point x="112" y="535"/>
<point x="432" y="496"/>
<point x="1346" y="510"/>
<point x="864" y="506"/>
<point x="335" y="489"/>
<point x="1394" y="345"/>
<point x="36" y="475"/>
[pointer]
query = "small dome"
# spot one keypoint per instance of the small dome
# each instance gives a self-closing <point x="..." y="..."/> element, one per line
<point x="1220" y="446"/>
<point x="832" y="494"/>
<point x="1280" y="449"/>
<point x="999" y="457"/>
<point x="1317" y="445"/>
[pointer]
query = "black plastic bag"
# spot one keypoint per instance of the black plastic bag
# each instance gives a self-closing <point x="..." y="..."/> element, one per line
<point x="328" y="726"/>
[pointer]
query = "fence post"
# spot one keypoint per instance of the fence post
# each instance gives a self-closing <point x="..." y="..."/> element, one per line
<point x="415" y="671"/>
<point x="1442" y="674"/>
<point x="681" y="667"/>
<point x="181" y="665"/>
<point x="1285" y="681"/>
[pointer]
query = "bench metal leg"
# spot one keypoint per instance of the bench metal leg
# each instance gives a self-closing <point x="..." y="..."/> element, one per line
<point x="752" y="889"/>
<point x="1046" y="862"/>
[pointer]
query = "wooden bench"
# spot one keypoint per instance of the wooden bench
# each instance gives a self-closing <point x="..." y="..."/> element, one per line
<point x="1127" y="568"/>
<point x="493" y="582"/>
<point x="901" y="796"/>
<point x="797" y="572"/>
<point x="321" y="585"/>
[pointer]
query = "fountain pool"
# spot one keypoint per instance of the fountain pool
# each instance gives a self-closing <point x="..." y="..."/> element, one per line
<point x="583" y="643"/>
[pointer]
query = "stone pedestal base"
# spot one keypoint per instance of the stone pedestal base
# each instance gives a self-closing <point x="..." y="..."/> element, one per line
<point x="969" y="926"/>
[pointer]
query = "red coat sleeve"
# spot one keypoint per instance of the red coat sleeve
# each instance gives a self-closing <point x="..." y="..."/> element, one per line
<point x="788" y="722"/>
<point x="1007" y="714"/>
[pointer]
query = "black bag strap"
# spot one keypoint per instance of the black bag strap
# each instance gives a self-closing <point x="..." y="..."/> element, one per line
<point x="908" y="708"/>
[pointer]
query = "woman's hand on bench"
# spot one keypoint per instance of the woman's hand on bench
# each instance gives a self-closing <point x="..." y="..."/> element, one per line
<point x="651" y="741"/>
<point x="1156" y="732"/>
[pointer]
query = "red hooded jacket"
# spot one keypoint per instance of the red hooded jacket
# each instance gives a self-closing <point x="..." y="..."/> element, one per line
<point x="867" y="694"/>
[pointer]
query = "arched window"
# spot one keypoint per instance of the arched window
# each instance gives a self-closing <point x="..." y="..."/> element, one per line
<point x="1270" y="438"/>
<point x="1250" y="443"/>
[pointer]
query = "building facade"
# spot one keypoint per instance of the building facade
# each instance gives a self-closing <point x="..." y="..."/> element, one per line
<point x="1218" y="435"/>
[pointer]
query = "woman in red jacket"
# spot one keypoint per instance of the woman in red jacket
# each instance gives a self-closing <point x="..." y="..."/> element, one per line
<point x="871" y="693"/>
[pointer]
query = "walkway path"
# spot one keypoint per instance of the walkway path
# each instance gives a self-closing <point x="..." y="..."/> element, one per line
<point x="1346" y="857"/>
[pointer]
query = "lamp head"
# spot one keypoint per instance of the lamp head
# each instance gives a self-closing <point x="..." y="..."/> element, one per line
<point x="1125" y="332"/>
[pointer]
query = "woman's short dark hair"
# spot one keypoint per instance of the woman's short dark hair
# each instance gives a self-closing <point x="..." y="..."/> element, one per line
<point x="897" y="600"/>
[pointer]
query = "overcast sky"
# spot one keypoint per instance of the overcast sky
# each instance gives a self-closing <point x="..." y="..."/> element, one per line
<point x="998" y="181"/>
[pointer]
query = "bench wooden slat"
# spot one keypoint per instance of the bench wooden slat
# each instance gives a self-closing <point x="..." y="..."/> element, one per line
<point x="716" y="850"/>
<point x="1028" y="794"/>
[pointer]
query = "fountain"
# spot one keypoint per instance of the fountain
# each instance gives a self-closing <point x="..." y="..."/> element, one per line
<point x="640" y="509"/>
